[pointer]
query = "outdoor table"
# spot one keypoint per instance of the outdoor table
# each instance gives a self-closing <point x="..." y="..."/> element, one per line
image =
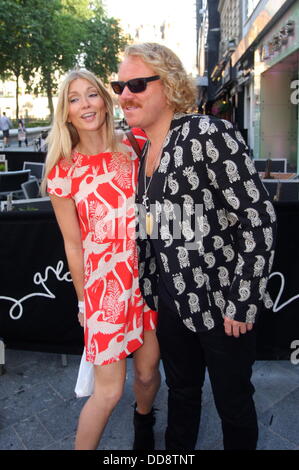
<point x="278" y="175"/>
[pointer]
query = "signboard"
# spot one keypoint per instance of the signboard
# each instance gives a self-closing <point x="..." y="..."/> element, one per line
<point x="38" y="304"/>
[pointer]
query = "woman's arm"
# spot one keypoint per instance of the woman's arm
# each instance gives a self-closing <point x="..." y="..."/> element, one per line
<point x="67" y="218"/>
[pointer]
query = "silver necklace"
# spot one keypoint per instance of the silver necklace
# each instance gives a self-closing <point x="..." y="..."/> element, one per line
<point x="149" y="218"/>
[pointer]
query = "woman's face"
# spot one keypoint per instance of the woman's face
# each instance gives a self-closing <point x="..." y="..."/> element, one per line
<point x="86" y="107"/>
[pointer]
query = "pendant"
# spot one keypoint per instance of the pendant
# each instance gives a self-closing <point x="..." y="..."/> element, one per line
<point x="145" y="200"/>
<point x="149" y="223"/>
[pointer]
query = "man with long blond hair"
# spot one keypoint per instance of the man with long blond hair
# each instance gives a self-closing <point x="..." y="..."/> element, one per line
<point x="207" y="232"/>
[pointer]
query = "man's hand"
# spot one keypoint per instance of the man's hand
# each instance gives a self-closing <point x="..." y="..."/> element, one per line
<point x="235" y="328"/>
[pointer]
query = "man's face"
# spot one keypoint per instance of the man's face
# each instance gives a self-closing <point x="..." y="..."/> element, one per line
<point x="143" y="109"/>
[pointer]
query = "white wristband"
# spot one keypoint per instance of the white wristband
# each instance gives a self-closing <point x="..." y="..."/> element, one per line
<point x="81" y="306"/>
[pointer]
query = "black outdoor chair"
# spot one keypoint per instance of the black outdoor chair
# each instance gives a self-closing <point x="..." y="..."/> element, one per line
<point x="271" y="187"/>
<point x="282" y="190"/>
<point x="288" y="190"/>
<point x="37" y="169"/>
<point x="11" y="181"/>
<point x="37" y="204"/>
<point x="277" y="165"/>
<point x="31" y="188"/>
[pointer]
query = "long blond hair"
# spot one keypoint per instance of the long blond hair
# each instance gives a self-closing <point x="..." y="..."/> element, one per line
<point x="180" y="89"/>
<point x="63" y="136"/>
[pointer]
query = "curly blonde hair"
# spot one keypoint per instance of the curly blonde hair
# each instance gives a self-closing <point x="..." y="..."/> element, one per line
<point x="180" y="89"/>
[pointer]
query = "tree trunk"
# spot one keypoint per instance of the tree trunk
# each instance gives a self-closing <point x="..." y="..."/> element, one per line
<point x="17" y="96"/>
<point x="50" y="103"/>
<point x="50" y="97"/>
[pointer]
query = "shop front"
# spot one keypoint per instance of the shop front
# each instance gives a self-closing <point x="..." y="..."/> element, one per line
<point x="222" y="103"/>
<point x="244" y="96"/>
<point x="276" y="85"/>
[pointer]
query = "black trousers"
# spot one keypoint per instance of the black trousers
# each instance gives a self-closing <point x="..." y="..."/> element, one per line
<point x="185" y="356"/>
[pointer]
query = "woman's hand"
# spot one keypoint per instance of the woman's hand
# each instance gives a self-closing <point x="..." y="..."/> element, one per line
<point x="81" y="318"/>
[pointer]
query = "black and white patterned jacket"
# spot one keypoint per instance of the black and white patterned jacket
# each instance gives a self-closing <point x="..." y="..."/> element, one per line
<point x="205" y="164"/>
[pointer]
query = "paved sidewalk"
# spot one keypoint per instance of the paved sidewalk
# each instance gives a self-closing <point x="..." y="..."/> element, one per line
<point x="39" y="411"/>
<point x="32" y="134"/>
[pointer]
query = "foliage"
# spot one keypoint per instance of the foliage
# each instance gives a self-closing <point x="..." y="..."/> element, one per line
<point x="15" y="31"/>
<point x="54" y="49"/>
<point x="43" y="39"/>
<point x="30" y="122"/>
<point x="16" y="37"/>
<point x="102" y="45"/>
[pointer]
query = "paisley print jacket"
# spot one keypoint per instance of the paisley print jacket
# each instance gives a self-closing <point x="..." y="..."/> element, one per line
<point x="215" y="227"/>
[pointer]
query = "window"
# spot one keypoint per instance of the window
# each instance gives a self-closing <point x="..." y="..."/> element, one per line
<point x="250" y="5"/>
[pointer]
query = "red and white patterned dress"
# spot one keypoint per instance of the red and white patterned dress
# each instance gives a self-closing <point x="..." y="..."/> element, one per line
<point x="103" y="187"/>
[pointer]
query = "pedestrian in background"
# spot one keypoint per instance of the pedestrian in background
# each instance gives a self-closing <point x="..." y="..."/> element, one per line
<point x="91" y="175"/>
<point x="5" y="125"/>
<point x="22" y="134"/>
<point x="208" y="277"/>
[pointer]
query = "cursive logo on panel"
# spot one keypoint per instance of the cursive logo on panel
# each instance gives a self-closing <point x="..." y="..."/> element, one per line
<point x="16" y="310"/>
<point x="276" y="307"/>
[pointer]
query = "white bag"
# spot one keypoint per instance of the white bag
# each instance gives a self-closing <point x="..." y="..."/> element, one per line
<point x="85" y="380"/>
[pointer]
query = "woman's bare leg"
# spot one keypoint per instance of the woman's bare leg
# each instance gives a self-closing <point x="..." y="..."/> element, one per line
<point x="147" y="374"/>
<point x="109" y="385"/>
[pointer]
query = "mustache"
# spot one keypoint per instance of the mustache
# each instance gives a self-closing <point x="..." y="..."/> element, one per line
<point x="129" y="103"/>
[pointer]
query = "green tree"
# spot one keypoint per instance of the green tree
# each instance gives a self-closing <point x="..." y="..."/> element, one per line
<point x="80" y="8"/>
<point x="56" y="45"/>
<point x="16" y="37"/>
<point x="42" y="39"/>
<point x="74" y="33"/>
<point x="102" y="44"/>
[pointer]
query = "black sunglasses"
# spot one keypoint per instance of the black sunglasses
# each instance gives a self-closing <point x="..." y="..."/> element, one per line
<point x="135" y="85"/>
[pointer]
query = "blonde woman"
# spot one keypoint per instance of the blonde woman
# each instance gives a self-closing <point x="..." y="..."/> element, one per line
<point x="91" y="176"/>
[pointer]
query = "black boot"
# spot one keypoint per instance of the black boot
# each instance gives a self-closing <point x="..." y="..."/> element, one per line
<point x="144" y="433"/>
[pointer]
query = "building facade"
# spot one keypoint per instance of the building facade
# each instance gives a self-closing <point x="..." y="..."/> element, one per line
<point x="208" y="40"/>
<point x="168" y="22"/>
<point x="29" y="105"/>
<point x="223" y="74"/>
<point x="267" y="64"/>
<point x="257" y="75"/>
<point x="276" y="83"/>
